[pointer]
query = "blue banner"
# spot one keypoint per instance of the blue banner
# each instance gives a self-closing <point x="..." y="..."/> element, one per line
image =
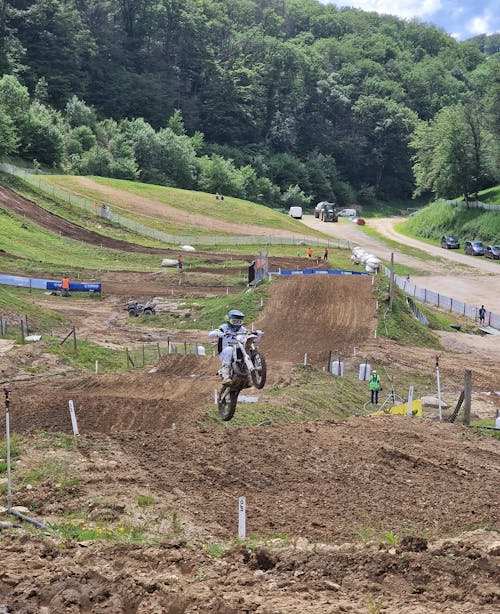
<point x="44" y="284"/>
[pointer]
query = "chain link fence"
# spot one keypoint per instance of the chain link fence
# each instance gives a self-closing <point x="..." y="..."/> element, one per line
<point x="443" y="302"/>
<point x="140" y="355"/>
<point x="472" y="204"/>
<point x="106" y="212"/>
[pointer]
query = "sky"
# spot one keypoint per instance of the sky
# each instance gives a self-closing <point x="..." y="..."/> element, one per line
<point x="462" y="19"/>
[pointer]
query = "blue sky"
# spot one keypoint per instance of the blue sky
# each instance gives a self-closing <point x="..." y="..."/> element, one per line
<point x="461" y="19"/>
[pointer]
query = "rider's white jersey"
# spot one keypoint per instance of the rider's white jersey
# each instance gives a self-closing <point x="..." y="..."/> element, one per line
<point x="229" y="335"/>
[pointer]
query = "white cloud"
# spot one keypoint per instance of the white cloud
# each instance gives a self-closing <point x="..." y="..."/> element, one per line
<point x="478" y="25"/>
<point x="402" y="8"/>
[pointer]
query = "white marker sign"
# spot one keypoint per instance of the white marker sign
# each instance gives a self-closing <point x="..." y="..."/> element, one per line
<point x="242" y="521"/>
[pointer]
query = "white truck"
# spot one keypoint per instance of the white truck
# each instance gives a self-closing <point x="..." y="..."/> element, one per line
<point x="295" y="212"/>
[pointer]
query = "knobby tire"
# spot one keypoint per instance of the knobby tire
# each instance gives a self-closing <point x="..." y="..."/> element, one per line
<point x="227" y="405"/>
<point x="260" y="374"/>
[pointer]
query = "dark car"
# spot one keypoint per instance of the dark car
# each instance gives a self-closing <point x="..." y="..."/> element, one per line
<point x="474" y="248"/>
<point x="449" y="242"/>
<point x="492" y="251"/>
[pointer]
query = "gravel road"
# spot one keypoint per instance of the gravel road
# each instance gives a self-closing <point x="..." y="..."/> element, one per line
<point x="470" y="279"/>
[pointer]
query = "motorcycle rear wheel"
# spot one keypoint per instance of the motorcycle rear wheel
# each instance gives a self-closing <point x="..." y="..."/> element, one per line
<point x="260" y="374"/>
<point x="227" y="405"/>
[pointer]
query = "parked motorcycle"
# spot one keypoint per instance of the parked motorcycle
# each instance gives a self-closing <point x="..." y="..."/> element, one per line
<point x="136" y="309"/>
<point x="247" y="367"/>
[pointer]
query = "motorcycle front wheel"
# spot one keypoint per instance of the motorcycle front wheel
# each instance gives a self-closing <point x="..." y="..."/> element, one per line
<point x="227" y="404"/>
<point x="260" y="373"/>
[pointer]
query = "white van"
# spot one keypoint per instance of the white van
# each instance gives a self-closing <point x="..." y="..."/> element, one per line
<point x="348" y="213"/>
<point x="295" y="212"/>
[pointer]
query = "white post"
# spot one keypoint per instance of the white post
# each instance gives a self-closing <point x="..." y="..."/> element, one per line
<point x="215" y="397"/>
<point x="97" y="366"/>
<point x="440" y="412"/>
<point x="410" y="401"/>
<point x="7" y="444"/>
<point x="305" y="360"/>
<point x="242" y="522"/>
<point x="73" y="418"/>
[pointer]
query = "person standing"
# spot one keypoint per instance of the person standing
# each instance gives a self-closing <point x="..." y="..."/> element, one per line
<point x="180" y="262"/>
<point x="325" y="254"/>
<point x="65" y="286"/>
<point x="374" y="387"/>
<point x="482" y="314"/>
<point x="309" y="252"/>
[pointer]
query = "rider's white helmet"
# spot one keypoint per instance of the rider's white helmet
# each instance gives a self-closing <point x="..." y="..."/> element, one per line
<point x="235" y="319"/>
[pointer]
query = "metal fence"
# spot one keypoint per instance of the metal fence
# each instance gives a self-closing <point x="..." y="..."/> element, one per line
<point x="108" y="213"/>
<point x="140" y="355"/>
<point x="443" y="302"/>
<point x="472" y="204"/>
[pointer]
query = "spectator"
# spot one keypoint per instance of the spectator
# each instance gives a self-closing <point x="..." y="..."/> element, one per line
<point x="180" y="262"/>
<point x="309" y="252"/>
<point x="217" y="196"/>
<point x="374" y="387"/>
<point x="325" y="255"/>
<point x="482" y="314"/>
<point x="65" y="286"/>
<point x="407" y="278"/>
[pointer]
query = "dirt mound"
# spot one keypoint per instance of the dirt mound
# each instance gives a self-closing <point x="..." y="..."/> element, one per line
<point x="316" y="314"/>
<point x="146" y="400"/>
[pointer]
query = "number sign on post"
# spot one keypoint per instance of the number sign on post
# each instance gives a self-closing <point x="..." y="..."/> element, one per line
<point x="242" y="511"/>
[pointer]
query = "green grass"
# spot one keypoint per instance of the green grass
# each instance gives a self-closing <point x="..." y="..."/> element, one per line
<point x="441" y="219"/>
<point x="24" y="239"/>
<point x="485" y="432"/>
<point x="82" y="531"/>
<point x="87" y="352"/>
<point x="399" y="323"/>
<point x="207" y="313"/>
<point x="316" y="395"/>
<point x="191" y="202"/>
<point x="18" y="301"/>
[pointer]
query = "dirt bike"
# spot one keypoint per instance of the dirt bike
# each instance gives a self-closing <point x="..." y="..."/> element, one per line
<point x="248" y="367"/>
<point x="135" y="309"/>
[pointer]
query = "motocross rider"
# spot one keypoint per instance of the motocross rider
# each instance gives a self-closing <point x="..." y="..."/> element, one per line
<point x="226" y="333"/>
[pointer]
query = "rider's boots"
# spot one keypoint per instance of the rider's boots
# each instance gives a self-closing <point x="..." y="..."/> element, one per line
<point x="224" y="372"/>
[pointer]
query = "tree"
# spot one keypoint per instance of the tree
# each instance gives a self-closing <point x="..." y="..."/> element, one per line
<point x="453" y="153"/>
<point x="294" y="196"/>
<point x="14" y="97"/>
<point x="8" y="137"/>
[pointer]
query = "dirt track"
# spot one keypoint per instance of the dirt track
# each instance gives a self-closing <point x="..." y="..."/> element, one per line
<point x="360" y="514"/>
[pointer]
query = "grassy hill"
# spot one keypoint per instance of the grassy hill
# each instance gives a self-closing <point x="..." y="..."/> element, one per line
<point x="440" y="218"/>
<point x="131" y="198"/>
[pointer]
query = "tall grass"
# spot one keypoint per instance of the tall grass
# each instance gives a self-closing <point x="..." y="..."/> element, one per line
<point x="439" y="219"/>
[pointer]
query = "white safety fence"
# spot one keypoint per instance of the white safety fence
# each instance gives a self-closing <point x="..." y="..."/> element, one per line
<point x="443" y="302"/>
<point x="110" y="214"/>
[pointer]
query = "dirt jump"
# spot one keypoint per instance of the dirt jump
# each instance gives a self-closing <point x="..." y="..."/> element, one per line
<point x="389" y="514"/>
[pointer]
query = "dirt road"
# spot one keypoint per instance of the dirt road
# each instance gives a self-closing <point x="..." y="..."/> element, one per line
<point x="475" y="281"/>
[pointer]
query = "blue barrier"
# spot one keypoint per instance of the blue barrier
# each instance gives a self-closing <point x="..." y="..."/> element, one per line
<point x="45" y="284"/>
<point x="320" y="272"/>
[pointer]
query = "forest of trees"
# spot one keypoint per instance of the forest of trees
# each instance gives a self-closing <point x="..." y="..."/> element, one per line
<point x="278" y="101"/>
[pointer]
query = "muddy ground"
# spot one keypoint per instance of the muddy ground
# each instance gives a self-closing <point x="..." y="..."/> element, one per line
<point x="387" y="514"/>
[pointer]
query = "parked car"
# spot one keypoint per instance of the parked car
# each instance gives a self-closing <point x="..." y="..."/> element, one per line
<point x="492" y="251"/>
<point x="347" y="213"/>
<point x="449" y="242"/>
<point x="474" y="248"/>
<point x="320" y="206"/>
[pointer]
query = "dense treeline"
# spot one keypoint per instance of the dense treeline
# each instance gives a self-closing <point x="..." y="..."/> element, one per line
<point x="280" y="101"/>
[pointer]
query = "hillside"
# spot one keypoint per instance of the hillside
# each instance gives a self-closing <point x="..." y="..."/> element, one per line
<point x="440" y="219"/>
<point x="344" y="512"/>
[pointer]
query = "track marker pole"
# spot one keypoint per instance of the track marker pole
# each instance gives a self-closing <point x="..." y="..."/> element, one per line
<point x="7" y="444"/>
<point x="242" y="510"/>
<point x="440" y="410"/>
<point x="73" y="418"/>
<point x="410" y="401"/>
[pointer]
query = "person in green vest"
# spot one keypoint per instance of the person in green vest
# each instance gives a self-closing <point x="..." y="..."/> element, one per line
<point x="374" y="387"/>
